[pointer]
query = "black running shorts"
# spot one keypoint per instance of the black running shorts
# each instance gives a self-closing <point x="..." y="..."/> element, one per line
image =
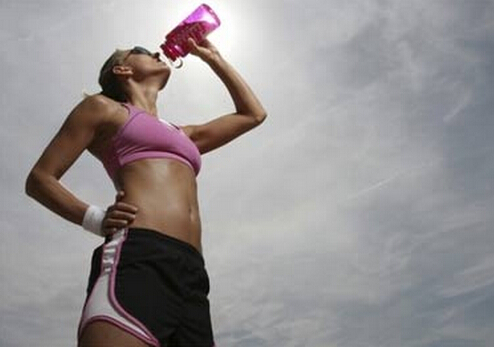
<point x="151" y="285"/>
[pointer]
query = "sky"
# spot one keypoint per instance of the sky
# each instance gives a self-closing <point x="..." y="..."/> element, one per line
<point x="358" y="215"/>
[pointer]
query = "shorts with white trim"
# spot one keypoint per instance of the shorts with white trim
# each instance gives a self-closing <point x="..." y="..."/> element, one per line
<point x="151" y="285"/>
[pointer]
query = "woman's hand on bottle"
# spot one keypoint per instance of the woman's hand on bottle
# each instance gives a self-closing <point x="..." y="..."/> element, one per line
<point x="119" y="215"/>
<point x="204" y="50"/>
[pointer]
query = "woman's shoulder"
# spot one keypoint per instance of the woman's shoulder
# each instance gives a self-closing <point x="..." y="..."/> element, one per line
<point x="96" y="108"/>
<point x="100" y="103"/>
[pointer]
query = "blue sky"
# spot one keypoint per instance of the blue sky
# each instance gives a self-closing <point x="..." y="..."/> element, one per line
<point x="358" y="215"/>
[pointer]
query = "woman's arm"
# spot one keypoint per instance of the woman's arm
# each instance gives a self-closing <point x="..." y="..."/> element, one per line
<point x="249" y="112"/>
<point x="76" y="134"/>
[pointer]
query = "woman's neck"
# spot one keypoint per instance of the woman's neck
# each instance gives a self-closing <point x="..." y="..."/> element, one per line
<point x="144" y="98"/>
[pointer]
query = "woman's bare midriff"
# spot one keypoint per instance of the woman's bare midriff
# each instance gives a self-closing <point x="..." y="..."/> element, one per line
<point x="165" y="193"/>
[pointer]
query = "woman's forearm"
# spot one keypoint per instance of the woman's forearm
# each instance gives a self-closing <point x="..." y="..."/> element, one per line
<point x="243" y="97"/>
<point x="48" y="191"/>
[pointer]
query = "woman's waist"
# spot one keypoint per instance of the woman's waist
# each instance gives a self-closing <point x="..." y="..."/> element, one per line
<point x="143" y="241"/>
<point x="179" y="219"/>
<point x="166" y="198"/>
<point x="167" y="218"/>
<point x="157" y="198"/>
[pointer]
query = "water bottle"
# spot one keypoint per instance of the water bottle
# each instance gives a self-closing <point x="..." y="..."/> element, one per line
<point x="197" y="25"/>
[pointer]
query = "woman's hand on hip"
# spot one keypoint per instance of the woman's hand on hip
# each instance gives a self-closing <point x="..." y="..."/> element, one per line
<point x="119" y="215"/>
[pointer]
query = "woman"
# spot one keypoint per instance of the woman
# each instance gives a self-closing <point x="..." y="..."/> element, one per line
<point x="148" y="285"/>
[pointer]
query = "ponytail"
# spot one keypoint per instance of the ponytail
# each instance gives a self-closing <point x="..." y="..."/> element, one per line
<point x="110" y="85"/>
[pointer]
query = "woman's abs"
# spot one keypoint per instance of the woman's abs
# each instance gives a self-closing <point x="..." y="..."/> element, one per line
<point x="165" y="193"/>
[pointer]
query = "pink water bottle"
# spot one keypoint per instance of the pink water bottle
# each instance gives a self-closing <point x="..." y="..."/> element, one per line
<point x="197" y="25"/>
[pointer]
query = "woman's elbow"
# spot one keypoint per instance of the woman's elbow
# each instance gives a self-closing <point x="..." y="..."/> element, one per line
<point x="260" y="117"/>
<point x="33" y="182"/>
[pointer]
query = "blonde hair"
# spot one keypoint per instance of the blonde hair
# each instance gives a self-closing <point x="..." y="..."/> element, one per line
<point x="109" y="83"/>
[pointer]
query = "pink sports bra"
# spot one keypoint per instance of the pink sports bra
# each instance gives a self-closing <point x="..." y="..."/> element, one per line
<point x="144" y="136"/>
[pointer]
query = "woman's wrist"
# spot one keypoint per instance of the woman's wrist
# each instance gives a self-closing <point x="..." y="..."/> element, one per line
<point x="93" y="220"/>
<point x="218" y="64"/>
<point x="214" y="59"/>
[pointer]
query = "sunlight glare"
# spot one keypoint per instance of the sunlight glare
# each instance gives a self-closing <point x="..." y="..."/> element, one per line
<point x="226" y="35"/>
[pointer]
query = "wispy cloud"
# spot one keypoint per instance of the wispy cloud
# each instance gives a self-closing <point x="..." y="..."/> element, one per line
<point x="359" y="214"/>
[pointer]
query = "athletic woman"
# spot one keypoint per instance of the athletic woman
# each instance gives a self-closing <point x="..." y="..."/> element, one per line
<point x="148" y="285"/>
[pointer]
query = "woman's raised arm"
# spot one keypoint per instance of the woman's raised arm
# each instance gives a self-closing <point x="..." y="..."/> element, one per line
<point x="249" y="111"/>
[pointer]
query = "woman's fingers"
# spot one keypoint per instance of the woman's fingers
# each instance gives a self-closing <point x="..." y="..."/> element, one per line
<point x="194" y="48"/>
<point x="125" y="213"/>
<point x="115" y="223"/>
<point x="123" y="207"/>
<point x="119" y="215"/>
<point x="203" y="50"/>
<point x="111" y="224"/>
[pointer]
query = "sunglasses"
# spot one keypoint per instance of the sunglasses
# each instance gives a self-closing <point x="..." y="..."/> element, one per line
<point x="139" y="50"/>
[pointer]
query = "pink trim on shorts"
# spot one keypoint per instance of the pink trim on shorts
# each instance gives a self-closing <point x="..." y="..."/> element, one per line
<point x="113" y="302"/>
<point x="113" y="298"/>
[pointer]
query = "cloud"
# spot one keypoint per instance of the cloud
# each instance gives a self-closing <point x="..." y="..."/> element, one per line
<point x="43" y="322"/>
<point x="377" y="167"/>
<point x="358" y="214"/>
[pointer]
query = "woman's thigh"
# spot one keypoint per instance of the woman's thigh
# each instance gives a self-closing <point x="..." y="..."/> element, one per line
<point x="103" y="334"/>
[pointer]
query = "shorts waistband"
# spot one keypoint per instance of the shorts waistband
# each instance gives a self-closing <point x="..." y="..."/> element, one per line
<point x="187" y="247"/>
